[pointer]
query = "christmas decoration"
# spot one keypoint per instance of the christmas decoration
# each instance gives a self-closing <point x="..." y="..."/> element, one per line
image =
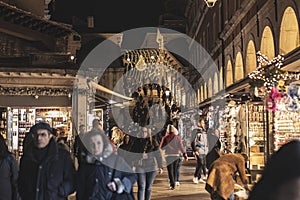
<point x="268" y="72"/>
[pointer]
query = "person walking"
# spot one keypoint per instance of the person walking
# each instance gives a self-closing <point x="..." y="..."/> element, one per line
<point x="103" y="175"/>
<point x="177" y="178"/>
<point x="8" y="173"/>
<point x="172" y="144"/>
<point x="97" y="125"/>
<point x="222" y="176"/>
<point x="150" y="160"/>
<point x="126" y="147"/>
<point x="46" y="170"/>
<point x="214" y="146"/>
<point x="200" y="148"/>
<point x="78" y="146"/>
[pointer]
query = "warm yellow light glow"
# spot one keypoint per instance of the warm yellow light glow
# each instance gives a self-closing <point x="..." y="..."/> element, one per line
<point x="210" y="3"/>
<point x="239" y="68"/>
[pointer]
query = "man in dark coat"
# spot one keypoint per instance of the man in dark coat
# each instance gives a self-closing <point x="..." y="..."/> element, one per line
<point x="46" y="170"/>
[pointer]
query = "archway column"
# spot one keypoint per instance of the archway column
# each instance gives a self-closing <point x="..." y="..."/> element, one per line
<point x="79" y="104"/>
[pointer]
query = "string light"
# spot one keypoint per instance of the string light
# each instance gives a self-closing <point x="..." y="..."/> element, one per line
<point x="265" y="73"/>
<point x="35" y="91"/>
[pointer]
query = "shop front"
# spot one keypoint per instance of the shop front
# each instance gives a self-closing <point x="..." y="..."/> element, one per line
<point x="18" y="113"/>
<point x="240" y="120"/>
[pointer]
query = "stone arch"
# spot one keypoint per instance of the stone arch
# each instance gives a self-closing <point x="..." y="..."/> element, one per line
<point x="229" y="78"/>
<point x="251" y="63"/>
<point x="202" y="93"/>
<point x="267" y="46"/>
<point x="209" y="88"/>
<point x="239" y="67"/>
<point x="216" y="83"/>
<point x="221" y="81"/>
<point x="289" y="31"/>
<point x="205" y="90"/>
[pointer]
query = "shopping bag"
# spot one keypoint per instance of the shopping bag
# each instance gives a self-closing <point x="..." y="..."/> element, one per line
<point x="241" y="193"/>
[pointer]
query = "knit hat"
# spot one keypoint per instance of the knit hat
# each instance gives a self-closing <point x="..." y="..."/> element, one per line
<point x="41" y="125"/>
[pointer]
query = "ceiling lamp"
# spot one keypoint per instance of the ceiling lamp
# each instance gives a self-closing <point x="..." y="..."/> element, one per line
<point x="210" y="3"/>
<point x="141" y="64"/>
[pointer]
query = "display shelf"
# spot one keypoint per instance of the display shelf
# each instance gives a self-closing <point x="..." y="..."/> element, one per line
<point x="26" y="119"/>
<point x="286" y="127"/>
<point x="57" y="122"/>
<point x="256" y="133"/>
<point x="3" y="122"/>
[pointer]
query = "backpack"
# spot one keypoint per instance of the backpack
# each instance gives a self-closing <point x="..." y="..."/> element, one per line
<point x="199" y="142"/>
<point x="198" y="137"/>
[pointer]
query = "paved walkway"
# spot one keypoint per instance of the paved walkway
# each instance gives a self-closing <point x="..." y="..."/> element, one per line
<point x="187" y="189"/>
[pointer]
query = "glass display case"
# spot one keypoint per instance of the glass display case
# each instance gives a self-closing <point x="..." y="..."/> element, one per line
<point x="286" y="127"/>
<point x="3" y="122"/>
<point x="257" y="138"/>
<point x="25" y="121"/>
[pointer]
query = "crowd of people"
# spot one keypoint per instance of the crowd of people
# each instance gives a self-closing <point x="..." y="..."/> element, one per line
<point x="107" y="170"/>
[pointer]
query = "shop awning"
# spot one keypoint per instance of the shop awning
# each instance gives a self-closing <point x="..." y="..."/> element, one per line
<point x="240" y="88"/>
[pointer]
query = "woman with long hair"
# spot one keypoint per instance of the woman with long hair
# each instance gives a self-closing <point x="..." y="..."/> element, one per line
<point x="172" y="144"/>
<point x="8" y="173"/>
<point x="148" y="161"/>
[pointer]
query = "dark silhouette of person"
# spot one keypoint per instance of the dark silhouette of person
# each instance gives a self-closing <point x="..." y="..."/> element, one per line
<point x="8" y="173"/>
<point x="281" y="177"/>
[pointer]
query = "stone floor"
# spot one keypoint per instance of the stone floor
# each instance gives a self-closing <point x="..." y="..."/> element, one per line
<point x="187" y="189"/>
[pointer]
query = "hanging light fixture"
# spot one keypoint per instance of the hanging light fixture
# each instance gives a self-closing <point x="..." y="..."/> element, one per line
<point x="141" y="65"/>
<point x="210" y="3"/>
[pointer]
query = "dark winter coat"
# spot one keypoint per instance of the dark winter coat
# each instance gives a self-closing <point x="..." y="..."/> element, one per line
<point x="8" y="177"/>
<point x="51" y="179"/>
<point x="213" y="154"/>
<point x="149" y="157"/>
<point x="96" y="172"/>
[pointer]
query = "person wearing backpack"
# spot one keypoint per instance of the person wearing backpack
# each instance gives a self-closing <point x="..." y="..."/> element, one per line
<point x="200" y="148"/>
<point x="8" y="173"/>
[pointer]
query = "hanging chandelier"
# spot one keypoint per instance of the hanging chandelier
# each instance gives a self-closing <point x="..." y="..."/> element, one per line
<point x="210" y="3"/>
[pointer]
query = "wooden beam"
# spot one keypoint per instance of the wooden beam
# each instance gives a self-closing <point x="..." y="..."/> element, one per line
<point x="36" y="81"/>
<point x="26" y="33"/>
